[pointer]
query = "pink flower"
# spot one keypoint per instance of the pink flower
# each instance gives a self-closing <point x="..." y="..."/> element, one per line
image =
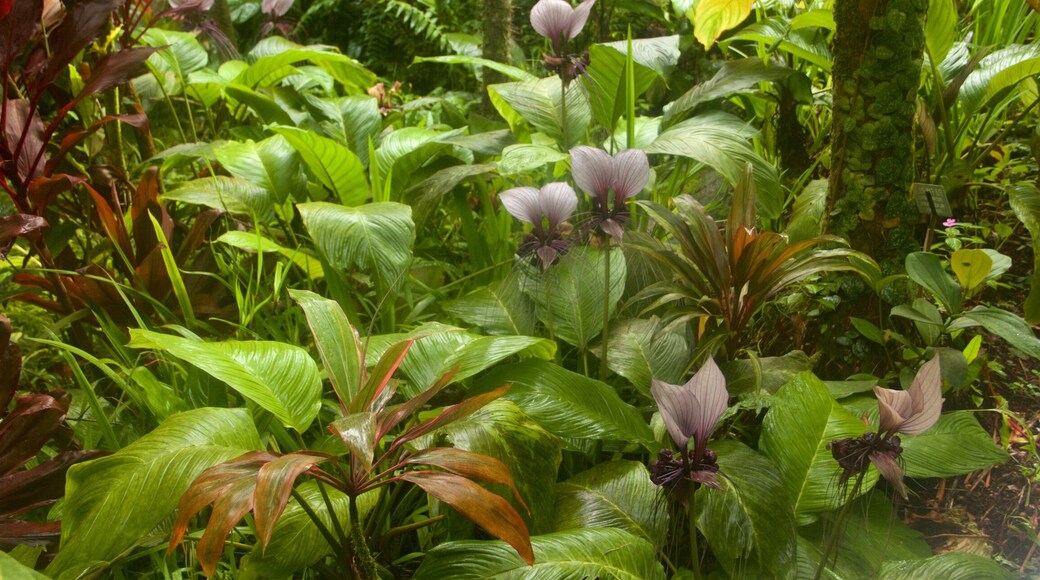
<point x="949" y="223"/>
<point x="558" y="21"/>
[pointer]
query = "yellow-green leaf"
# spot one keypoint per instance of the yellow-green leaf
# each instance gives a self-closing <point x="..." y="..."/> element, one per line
<point x="971" y="267"/>
<point x="711" y="18"/>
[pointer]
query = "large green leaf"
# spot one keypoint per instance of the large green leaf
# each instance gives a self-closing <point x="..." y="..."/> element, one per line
<point x="182" y="55"/>
<point x="281" y="378"/>
<point x="361" y="122"/>
<point x="532" y="454"/>
<point x="337" y="342"/>
<point x="949" y="566"/>
<point x="807" y="215"/>
<point x="803" y="43"/>
<point x="517" y="74"/>
<point x="501" y="308"/>
<point x="795" y="433"/>
<point x="524" y="157"/>
<point x="568" y="404"/>
<point x="641" y="350"/>
<point x="873" y="533"/>
<point x="255" y="242"/>
<point x="538" y="103"/>
<point x="575" y="292"/>
<point x="274" y="53"/>
<point x="616" y="494"/>
<point x="996" y="73"/>
<point x="271" y="164"/>
<point x="1008" y="326"/>
<point x="428" y="193"/>
<point x="722" y="142"/>
<point x="15" y="570"/>
<point x="376" y="236"/>
<point x="230" y="194"/>
<point x="404" y="151"/>
<point x="926" y="269"/>
<point x="735" y="76"/>
<point x="580" y="553"/>
<point x="296" y="541"/>
<point x="752" y="514"/>
<point x="955" y="445"/>
<point x="114" y="503"/>
<point x="334" y="166"/>
<point x="940" y="29"/>
<point x="606" y="74"/>
<point x="1025" y="201"/>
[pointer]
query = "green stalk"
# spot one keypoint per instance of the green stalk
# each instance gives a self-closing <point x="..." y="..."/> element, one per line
<point x="363" y="563"/>
<point x="322" y="528"/>
<point x="603" y="369"/>
<point x="695" y="559"/>
<point x="630" y="94"/>
<point x="839" y="528"/>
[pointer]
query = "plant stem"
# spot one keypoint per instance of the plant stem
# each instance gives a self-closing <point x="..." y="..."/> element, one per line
<point x="839" y="527"/>
<point x="695" y="555"/>
<point x="603" y="369"/>
<point x="322" y="528"/>
<point x="399" y="530"/>
<point x="563" y="112"/>
<point x="363" y="565"/>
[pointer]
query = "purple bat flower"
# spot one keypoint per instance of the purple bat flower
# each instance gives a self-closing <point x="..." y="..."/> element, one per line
<point x="559" y="22"/>
<point x="690" y="411"/>
<point x="909" y="412"/>
<point x="546" y="209"/>
<point x="610" y="182"/>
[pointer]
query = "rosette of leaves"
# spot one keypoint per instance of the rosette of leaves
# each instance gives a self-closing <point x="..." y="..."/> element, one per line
<point x="727" y="277"/>
<point x="379" y="439"/>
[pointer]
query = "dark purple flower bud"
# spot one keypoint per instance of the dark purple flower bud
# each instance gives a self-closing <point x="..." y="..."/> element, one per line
<point x="558" y="21"/>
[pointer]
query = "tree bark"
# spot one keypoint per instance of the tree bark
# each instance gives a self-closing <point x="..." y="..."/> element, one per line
<point x="878" y="48"/>
<point x="497" y="25"/>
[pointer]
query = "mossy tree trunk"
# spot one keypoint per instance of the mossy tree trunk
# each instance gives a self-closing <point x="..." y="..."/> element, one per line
<point x="497" y="25"/>
<point x="878" y="48"/>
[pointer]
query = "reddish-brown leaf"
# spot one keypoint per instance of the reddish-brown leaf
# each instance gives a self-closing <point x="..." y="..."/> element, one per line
<point x="406" y="410"/>
<point x="82" y="24"/>
<point x="114" y="226"/>
<point x="197" y="235"/>
<point x="116" y="68"/>
<point x="453" y="413"/>
<point x="146" y="204"/>
<point x="19" y="22"/>
<point x="10" y="365"/>
<point x="19" y="224"/>
<point x="274" y="483"/>
<point x="17" y="115"/>
<point x="45" y="188"/>
<point x="73" y="138"/>
<point x="42" y="485"/>
<point x="229" y="509"/>
<point x="467" y="464"/>
<point x="380" y="377"/>
<point x="30" y="533"/>
<point x="479" y="505"/>
<point x="28" y="427"/>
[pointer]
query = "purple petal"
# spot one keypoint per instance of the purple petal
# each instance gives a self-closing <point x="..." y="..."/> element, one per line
<point x="524" y="203"/>
<point x="558" y="202"/>
<point x="576" y="19"/>
<point x="631" y="172"/>
<point x="550" y="18"/>
<point x="895" y="407"/>
<point x="612" y="229"/>
<point x="926" y="396"/>
<point x="276" y="8"/>
<point x="547" y="254"/>
<point x="593" y="171"/>
<point x="709" y="388"/>
<point x="889" y="468"/>
<point x="678" y="410"/>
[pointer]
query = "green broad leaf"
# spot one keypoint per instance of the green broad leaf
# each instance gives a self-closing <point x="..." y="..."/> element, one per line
<point x="723" y="142"/>
<point x="296" y="541"/>
<point x="517" y="74"/>
<point x="567" y="404"/>
<point x="926" y="269"/>
<point x="377" y="237"/>
<point x="795" y="433"/>
<point x="949" y="566"/>
<point x="337" y="342"/>
<point x="1025" y="201"/>
<point x="767" y="373"/>
<point x="807" y="215"/>
<point x="997" y="73"/>
<point x="802" y="43"/>
<point x="521" y="158"/>
<point x="972" y="267"/>
<point x="752" y="515"/>
<point x="271" y="164"/>
<point x="114" y="503"/>
<point x="873" y="534"/>
<point x="940" y="29"/>
<point x="869" y="330"/>
<point x="361" y="122"/>
<point x="1008" y="326"/>
<point x="616" y="494"/>
<point x="606" y="74"/>
<point x="956" y="445"/>
<point x="532" y="454"/>
<point x="181" y="56"/>
<point x="274" y="53"/>
<point x="425" y="196"/>
<point x="710" y="18"/>
<point x="647" y="129"/>
<point x="733" y="77"/>
<point x="574" y="289"/>
<point x="538" y="103"/>
<point x="336" y="167"/>
<point x="439" y="348"/>
<point x="255" y="242"/>
<point x="488" y="143"/>
<point x="404" y="151"/>
<point x="641" y="350"/>
<point x="12" y="568"/>
<point x="266" y="108"/>
<point x="280" y="378"/>
<point x="230" y="194"/>
<point x="581" y="553"/>
<point x="501" y="308"/>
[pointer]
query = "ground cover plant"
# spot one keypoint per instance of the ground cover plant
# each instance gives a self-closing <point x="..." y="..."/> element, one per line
<point x="530" y="289"/>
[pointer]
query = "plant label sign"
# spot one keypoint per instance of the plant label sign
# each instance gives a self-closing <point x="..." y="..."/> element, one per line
<point x="931" y="199"/>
